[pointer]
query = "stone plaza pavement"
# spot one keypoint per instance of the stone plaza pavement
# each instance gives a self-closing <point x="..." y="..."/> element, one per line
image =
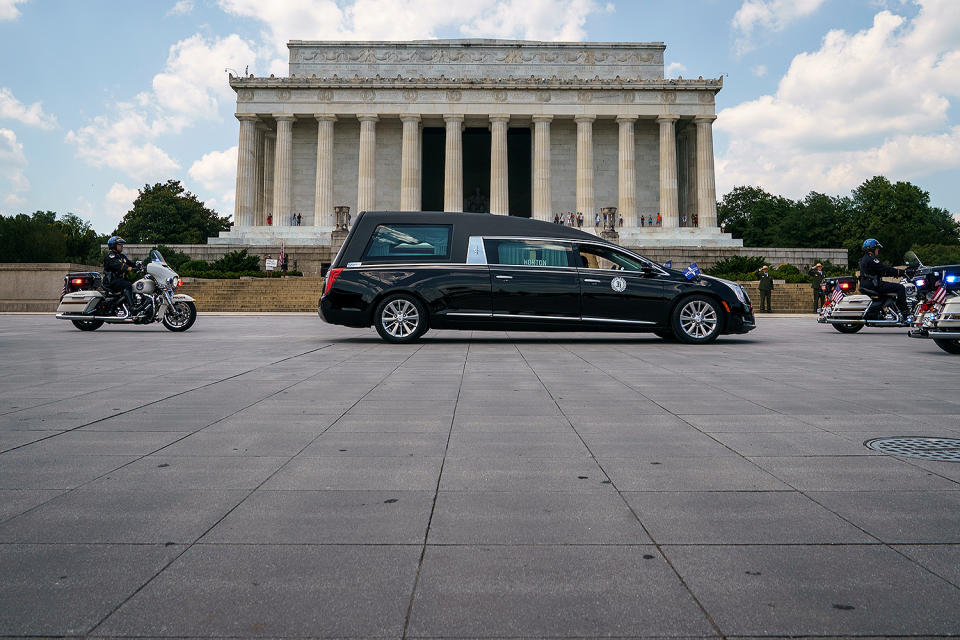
<point x="278" y="477"/>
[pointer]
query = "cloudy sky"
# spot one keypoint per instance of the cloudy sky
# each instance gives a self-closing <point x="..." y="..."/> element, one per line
<point x="99" y="97"/>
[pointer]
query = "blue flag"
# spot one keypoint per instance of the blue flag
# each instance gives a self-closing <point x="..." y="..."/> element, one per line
<point x="668" y="264"/>
<point x="692" y="271"/>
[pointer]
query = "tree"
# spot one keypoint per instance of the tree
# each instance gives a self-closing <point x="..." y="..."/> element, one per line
<point x="166" y="212"/>
<point x="754" y="215"/>
<point x="42" y="238"/>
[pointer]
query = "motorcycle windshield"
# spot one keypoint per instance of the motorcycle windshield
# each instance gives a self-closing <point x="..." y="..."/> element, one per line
<point x="156" y="257"/>
<point x="911" y="260"/>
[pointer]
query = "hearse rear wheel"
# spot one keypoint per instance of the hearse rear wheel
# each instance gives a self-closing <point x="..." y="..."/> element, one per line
<point x="697" y="320"/>
<point x="400" y="318"/>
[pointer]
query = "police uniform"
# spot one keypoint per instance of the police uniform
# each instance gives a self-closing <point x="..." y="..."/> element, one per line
<point x="765" y="286"/>
<point x="818" y="294"/>
<point x="114" y="266"/>
<point x="871" y="272"/>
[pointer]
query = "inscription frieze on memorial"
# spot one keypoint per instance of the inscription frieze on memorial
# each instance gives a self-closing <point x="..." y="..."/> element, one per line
<point x="471" y="59"/>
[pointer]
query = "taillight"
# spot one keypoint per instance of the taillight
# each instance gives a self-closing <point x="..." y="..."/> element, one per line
<point x="77" y="281"/>
<point x="332" y="275"/>
<point x="844" y="285"/>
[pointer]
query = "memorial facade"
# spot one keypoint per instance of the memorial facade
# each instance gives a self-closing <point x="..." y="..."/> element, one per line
<point x="518" y="128"/>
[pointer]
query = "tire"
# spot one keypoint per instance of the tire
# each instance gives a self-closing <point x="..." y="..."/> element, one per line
<point x="666" y="334"/>
<point x="181" y="317"/>
<point x="87" y="325"/>
<point x="950" y="346"/>
<point x="400" y="318"/>
<point x="697" y="320"/>
<point x="848" y="328"/>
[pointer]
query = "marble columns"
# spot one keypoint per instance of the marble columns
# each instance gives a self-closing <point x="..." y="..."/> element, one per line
<point x="669" y="205"/>
<point x="410" y="164"/>
<point x="323" y="198"/>
<point x="542" y="196"/>
<point x="258" y="169"/>
<point x="367" y="174"/>
<point x="706" y="181"/>
<point x="246" y="168"/>
<point x="269" y="159"/>
<point x="585" y="192"/>
<point x="626" y="171"/>
<point x="283" y="171"/>
<point x="453" y="164"/>
<point x="499" y="192"/>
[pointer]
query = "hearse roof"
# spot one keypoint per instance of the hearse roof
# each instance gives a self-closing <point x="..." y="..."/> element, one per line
<point x="480" y="224"/>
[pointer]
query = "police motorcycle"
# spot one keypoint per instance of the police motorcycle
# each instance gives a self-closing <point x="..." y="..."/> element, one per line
<point x="938" y="314"/>
<point x="848" y="312"/>
<point x="88" y="305"/>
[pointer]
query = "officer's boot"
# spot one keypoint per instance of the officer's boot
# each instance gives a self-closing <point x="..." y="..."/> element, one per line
<point x="128" y="296"/>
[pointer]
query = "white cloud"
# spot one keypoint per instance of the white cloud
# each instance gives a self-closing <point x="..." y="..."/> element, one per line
<point x="410" y="20"/>
<point x="768" y="16"/>
<point x="13" y="180"/>
<point x="674" y="69"/>
<point x="33" y="115"/>
<point x="216" y="169"/>
<point x="190" y="89"/>
<point x="760" y="70"/>
<point x="8" y="9"/>
<point x="117" y="202"/>
<point x="181" y="8"/>
<point x="864" y="104"/>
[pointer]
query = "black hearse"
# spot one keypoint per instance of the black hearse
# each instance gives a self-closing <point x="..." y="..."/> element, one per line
<point x="405" y="272"/>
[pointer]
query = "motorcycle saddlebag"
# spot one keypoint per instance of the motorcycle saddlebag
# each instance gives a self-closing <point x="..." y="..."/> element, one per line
<point x="79" y="302"/>
<point x="950" y="315"/>
<point x="851" y="307"/>
<point x="82" y="281"/>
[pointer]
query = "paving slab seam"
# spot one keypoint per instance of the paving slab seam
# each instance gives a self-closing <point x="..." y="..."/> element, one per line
<point x="626" y="503"/>
<point x="436" y="493"/>
<point x="180" y="393"/>
<point x="801" y="492"/>
<point x="252" y="491"/>
<point x="137" y="459"/>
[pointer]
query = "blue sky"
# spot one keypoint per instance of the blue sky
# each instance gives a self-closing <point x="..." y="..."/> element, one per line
<point x="99" y="97"/>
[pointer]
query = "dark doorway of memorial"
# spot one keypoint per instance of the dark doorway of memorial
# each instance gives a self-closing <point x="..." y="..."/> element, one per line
<point x="433" y="153"/>
<point x="476" y="170"/>
<point x="519" y="172"/>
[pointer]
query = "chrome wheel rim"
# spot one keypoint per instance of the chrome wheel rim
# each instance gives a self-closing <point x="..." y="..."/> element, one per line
<point x="400" y="318"/>
<point x="698" y="319"/>
<point x="178" y="315"/>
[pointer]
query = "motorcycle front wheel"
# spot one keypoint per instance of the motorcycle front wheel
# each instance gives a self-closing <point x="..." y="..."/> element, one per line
<point x="180" y="316"/>
<point x="87" y="325"/>
<point x="950" y="346"/>
<point x="848" y="328"/>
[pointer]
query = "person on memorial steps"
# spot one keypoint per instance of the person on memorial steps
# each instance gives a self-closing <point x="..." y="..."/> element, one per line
<point x="115" y="265"/>
<point x="818" y="294"/>
<point x="765" y="286"/>
<point x="871" y="272"/>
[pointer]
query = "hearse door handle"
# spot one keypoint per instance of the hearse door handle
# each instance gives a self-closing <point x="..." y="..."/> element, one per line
<point x="592" y="281"/>
<point x="504" y="277"/>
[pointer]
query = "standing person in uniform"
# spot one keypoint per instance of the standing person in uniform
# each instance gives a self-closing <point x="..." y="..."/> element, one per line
<point x="872" y="270"/>
<point x="818" y="295"/>
<point x="766" y="289"/>
<point x="115" y="265"/>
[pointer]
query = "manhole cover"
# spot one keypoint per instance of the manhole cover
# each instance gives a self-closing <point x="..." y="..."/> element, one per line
<point x="941" y="449"/>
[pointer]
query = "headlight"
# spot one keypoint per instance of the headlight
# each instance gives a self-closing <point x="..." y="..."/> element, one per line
<point x="739" y="291"/>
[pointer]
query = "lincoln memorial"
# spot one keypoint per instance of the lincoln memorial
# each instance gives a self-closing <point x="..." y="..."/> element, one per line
<point x="508" y="127"/>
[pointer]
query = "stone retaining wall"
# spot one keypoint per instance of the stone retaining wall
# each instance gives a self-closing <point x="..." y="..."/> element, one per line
<point x="34" y="286"/>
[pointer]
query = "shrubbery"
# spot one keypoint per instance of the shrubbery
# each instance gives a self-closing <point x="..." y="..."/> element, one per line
<point x="747" y="268"/>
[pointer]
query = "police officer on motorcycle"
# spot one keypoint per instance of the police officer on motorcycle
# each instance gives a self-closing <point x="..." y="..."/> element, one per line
<point x="872" y="270"/>
<point x="115" y="265"/>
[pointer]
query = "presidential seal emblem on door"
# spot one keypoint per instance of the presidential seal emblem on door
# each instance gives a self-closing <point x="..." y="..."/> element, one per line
<point x="618" y="284"/>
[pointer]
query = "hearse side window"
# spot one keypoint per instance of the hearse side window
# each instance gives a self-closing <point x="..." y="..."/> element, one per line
<point x="597" y="257"/>
<point x="409" y="242"/>
<point x="528" y="253"/>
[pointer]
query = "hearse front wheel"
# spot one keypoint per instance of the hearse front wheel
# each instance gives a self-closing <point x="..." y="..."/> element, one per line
<point x="400" y="318"/>
<point x="696" y="320"/>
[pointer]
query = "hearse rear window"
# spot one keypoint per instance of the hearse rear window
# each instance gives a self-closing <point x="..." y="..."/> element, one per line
<point x="409" y="242"/>
<point x="528" y="253"/>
